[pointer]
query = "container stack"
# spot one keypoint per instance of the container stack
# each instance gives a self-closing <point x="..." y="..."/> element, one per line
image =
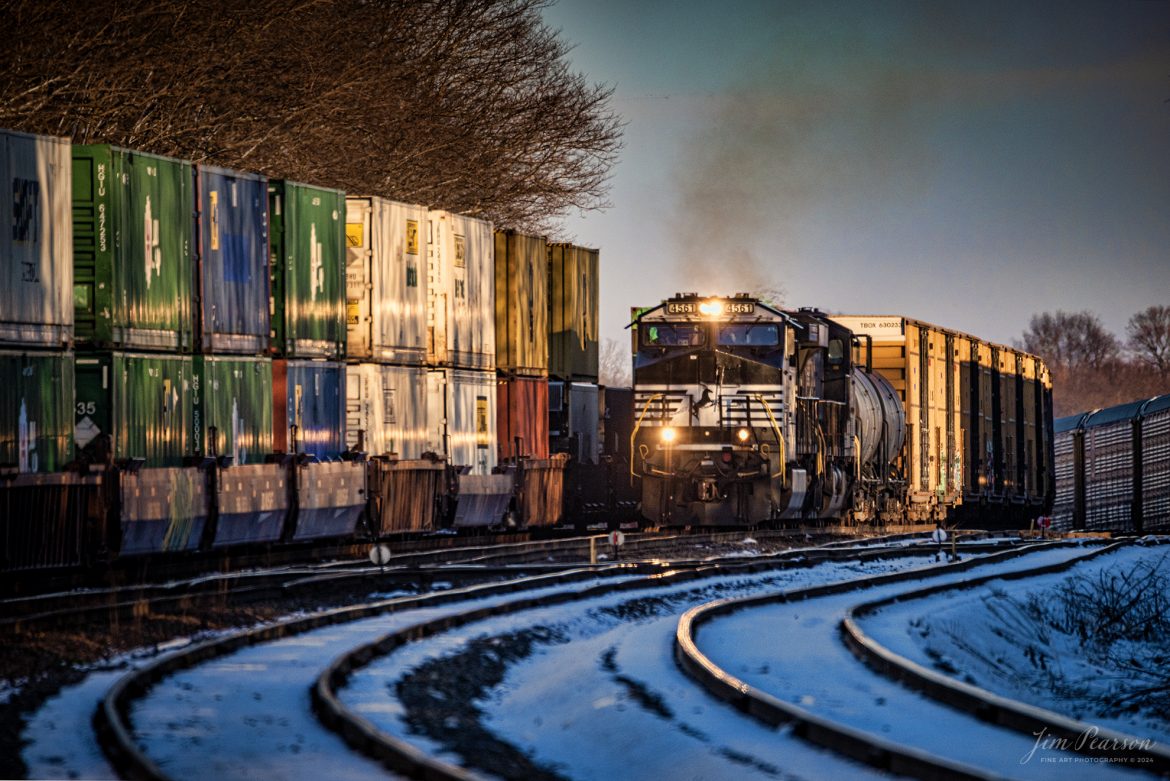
<point x="386" y="300"/>
<point x="308" y="295"/>
<point x="133" y="268"/>
<point x="309" y="336"/>
<point x="574" y="419"/>
<point x="386" y="377"/>
<point x="522" y="310"/>
<point x="521" y="315"/>
<point x="461" y="342"/>
<point x="36" y="303"/>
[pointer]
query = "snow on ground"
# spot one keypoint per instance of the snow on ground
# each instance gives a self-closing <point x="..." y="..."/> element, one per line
<point x="60" y="734"/>
<point x="984" y="638"/>
<point x="807" y="664"/>
<point x="247" y="715"/>
<point x="605" y="703"/>
<point x="603" y="698"/>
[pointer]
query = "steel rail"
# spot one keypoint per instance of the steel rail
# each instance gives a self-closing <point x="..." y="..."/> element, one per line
<point x="986" y="705"/>
<point x="849" y="741"/>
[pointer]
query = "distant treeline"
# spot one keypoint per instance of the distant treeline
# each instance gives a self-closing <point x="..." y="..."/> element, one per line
<point x="1091" y="367"/>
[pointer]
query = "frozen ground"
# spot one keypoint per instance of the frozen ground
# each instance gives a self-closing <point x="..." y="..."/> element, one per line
<point x="593" y="692"/>
<point x="989" y="637"/>
<point x="245" y="715"/>
<point x="60" y="735"/>
<point x="810" y="667"/>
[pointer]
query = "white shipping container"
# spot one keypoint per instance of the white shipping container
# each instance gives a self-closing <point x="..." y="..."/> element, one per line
<point x="388" y="403"/>
<point x="385" y="280"/>
<point x="461" y="416"/>
<point x="461" y="329"/>
<point x="36" y="240"/>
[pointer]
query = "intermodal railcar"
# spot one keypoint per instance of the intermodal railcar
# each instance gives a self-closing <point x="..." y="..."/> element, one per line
<point x="1113" y="468"/>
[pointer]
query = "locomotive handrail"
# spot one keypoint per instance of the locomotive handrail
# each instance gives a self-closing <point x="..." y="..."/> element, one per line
<point x="857" y="457"/>
<point x="821" y="448"/>
<point x="638" y="425"/>
<point x="779" y="436"/>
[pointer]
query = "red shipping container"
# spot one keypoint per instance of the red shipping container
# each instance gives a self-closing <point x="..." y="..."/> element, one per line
<point x="522" y="417"/>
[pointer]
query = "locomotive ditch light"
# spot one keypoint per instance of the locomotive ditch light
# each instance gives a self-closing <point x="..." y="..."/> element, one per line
<point x="668" y="434"/>
<point x="743" y="435"/>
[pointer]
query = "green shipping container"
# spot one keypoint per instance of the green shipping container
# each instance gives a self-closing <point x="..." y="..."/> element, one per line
<point x="307" y="241"/>
<point x="233" y="396"/>
<point x="521" y="304"/>
<point x="36" y="396"/>
<point x="143" y="402"/>
<point x="133" y="244"/>
<point x="573" y="276"/>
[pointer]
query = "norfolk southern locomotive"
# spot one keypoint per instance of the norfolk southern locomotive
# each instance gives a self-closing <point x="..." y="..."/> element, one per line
<point x="746" y="414"/>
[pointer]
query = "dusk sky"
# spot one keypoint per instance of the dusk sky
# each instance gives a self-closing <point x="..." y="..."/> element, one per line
<point x="968" y="164"/>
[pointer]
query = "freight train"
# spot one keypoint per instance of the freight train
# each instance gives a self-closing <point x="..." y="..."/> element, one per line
<point x="1113" y="468"/>
<point x="748" y="414"/>
<point x="193" y="357"/>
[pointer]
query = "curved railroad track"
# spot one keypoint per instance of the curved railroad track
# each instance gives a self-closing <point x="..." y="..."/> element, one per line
<point x="130" y="713"/>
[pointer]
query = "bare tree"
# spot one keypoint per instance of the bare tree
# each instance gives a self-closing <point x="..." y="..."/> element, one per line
<point x="1149" y="338"/>
<point x="1070" y="340"/>
<point x="1089" y="370"/>
<point x="466" y="105"/>
<point x="616" y="365"/>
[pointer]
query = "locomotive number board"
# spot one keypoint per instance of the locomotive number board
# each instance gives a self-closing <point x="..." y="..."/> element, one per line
<point x="710" y="308"/>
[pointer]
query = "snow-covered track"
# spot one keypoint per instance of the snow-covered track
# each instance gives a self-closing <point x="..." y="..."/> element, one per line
<point x="400" y="755"/>
<point x="829" y="731"/>
<point x="774" y="711"/>
<point x="986" y="705"/>
<point x="112" y="717"/>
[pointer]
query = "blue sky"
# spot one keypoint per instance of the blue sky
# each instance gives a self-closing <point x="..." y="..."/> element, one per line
<point x="968" y="164"/>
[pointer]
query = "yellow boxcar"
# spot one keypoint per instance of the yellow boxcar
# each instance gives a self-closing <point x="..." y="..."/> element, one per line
<point x="978" y="420"/>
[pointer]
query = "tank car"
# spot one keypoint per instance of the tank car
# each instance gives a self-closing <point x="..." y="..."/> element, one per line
<point x="746" y="414"/>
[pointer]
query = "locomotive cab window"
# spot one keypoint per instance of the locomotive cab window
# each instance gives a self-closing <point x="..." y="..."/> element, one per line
<point x="749" y="335"/>
<point x="674" y="335"/>
<point x="836" y="352"/>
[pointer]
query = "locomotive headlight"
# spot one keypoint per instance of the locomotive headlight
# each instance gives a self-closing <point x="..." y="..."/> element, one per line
<point x="668" y="434"/>
<point x="710" y="308"/>
<point x="743" y="435"/>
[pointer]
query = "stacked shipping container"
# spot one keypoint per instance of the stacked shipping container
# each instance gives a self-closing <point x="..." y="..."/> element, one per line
<point x="387" y="296"/>
<point x="521" y="321"/>
<point x="179" y="283"/>
<point x="574" y="413"/>
<point x="36" y="303"/>
<point x="386" y="301"/>
<point x="461" y="341"/>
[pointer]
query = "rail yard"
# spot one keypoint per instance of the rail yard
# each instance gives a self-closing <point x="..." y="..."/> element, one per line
<point x="303" y="482"/>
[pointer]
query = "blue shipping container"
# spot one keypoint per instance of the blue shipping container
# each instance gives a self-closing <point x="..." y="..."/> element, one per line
<point x="310" y="396"/>
<point x="232" y="277"/>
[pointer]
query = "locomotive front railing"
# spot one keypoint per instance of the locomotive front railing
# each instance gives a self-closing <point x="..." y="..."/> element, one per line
<point x="637" y="426"/>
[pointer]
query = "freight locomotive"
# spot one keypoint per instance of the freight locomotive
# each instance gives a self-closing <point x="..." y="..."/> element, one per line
<point x="747" y="414"/>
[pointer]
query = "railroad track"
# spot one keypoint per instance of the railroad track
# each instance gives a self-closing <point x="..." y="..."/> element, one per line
<point x="414" y="569"/>
<point x="427" y="617"/>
